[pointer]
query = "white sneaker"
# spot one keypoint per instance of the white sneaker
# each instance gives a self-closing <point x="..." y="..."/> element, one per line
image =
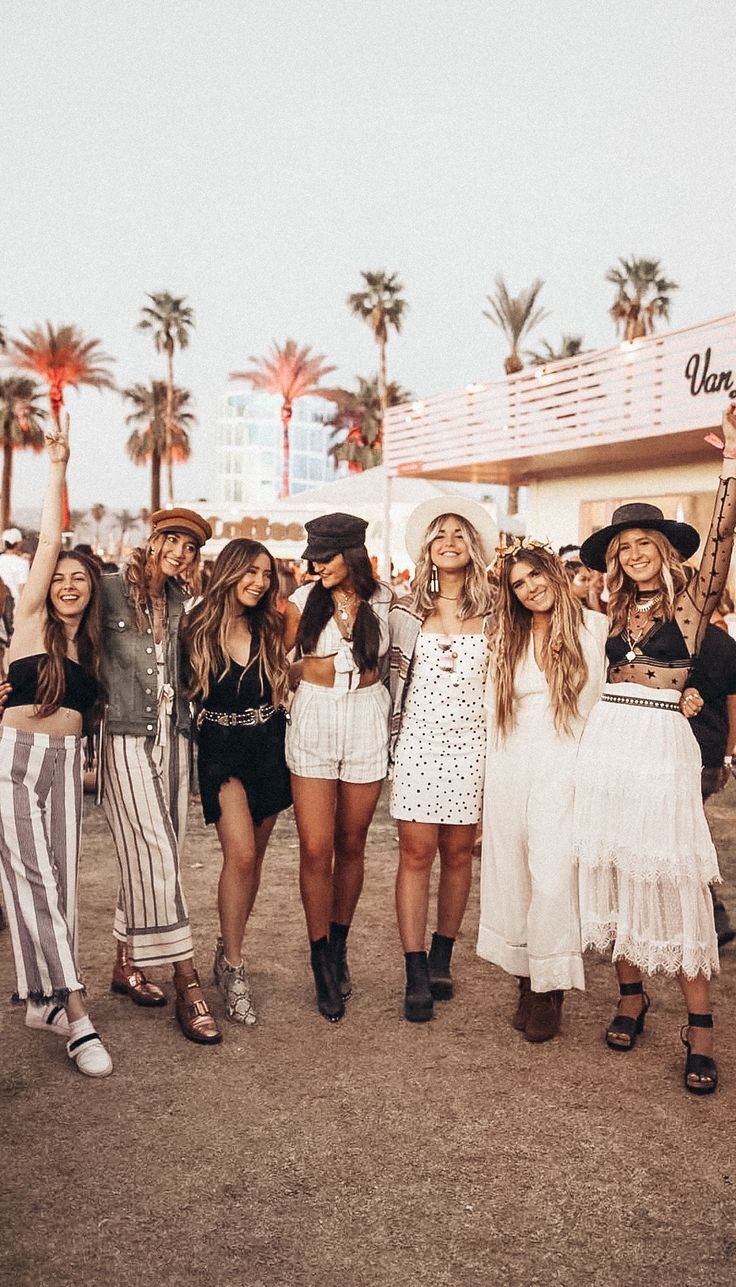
<point x="90" y="1056"/>
<point x="47" y="1018"/>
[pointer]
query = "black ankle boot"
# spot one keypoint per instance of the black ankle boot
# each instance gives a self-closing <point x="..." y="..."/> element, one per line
<point x="440" y="979"/>
<point x="329" y="1001"/>
<point x="339" y="950"/>
<point x="418" y="998"/>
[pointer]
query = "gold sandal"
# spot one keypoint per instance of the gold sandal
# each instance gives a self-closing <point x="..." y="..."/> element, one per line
<point x="194" y="1017"/>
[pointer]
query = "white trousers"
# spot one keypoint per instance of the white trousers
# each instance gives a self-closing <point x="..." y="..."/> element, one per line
<point x="40" y="827"/>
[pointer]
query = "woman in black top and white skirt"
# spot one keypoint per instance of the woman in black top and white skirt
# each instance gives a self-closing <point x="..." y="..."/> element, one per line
<point x="235" y="644"/>
<point x="641" y="840"/>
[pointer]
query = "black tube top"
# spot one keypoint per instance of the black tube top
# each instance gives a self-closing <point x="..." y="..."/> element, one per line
<point x="80" y="687"/>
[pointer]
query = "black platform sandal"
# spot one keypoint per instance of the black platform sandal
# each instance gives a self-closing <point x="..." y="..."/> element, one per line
<point x="622" y="1025"/>
<point x="701" y="1073"/>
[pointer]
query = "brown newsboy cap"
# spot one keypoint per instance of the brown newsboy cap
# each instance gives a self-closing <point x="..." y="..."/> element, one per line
<point x="333" y="533"/>
<point x="184" y="521"/>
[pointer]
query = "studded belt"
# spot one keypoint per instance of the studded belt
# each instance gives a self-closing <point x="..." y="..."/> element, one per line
<point x="230" y="719"/>
<point x="640" y="701"/>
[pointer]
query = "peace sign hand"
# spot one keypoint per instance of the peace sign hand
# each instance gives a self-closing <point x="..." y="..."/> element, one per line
<point x="57" y="440"/>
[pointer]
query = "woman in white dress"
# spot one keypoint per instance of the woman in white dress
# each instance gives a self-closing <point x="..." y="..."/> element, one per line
<point x="439" y="656"/>
<point x="545" y="674"/>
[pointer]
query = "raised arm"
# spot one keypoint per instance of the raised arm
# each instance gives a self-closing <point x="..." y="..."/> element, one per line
<point x="704" y="591"/>
<point x="45" y="559"/>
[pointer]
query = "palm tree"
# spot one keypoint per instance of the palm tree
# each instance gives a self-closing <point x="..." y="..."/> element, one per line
<point x="61" y="356"/>
<point x="20" y="427"/>
<point x="291" y="373"/>
<point x="149" y="440"/>
<point x="357" y="428"/>
<point x="381" y="306"/>
<point x="643" y="293"/>
<point x="515" y="315"/>
<point x="569" y="346"/>
<point x="171" y="321"/>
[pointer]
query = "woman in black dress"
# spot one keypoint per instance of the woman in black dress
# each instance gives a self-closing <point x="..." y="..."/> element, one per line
<point x="234" y="640"/>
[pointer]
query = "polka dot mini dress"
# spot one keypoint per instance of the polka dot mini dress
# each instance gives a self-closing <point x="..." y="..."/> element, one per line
<point x="439" y="759"/>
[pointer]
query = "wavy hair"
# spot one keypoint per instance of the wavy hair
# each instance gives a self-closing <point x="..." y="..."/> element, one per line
<point x="563" y="661"/>
<point x="320" y="607"/>
<point x="205" y="630"/>
<point x="475" y="598"/>
<point x="140" y="566"/>
<point x="51" y="676"/>
<point x="622" y="590"/>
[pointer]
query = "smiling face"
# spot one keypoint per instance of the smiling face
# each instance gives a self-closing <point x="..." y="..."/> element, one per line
<point x="333" y="573"/>
<point x="639" y="557"/>
<point x="448" y="549"/>
<point x="70" y="590"/>
<point x="532" y="587"/>
<point x="254" y="582"/>
<point x="178" y="553"/>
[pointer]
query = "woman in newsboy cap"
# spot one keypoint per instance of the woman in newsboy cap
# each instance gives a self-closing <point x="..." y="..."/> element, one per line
<point x="337" y="741"/>
<point x="145" y="764"/>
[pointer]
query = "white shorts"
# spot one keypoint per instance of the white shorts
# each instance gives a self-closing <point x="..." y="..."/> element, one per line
<point x="340" y="736"/>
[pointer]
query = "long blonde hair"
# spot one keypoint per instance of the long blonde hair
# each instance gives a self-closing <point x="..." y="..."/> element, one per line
<point x="141" y="565"/>
<point x="205" y="632"/>
<point x="475" y="599"/>
<point x="563" y="660"/>
<point x="622" y="590"/>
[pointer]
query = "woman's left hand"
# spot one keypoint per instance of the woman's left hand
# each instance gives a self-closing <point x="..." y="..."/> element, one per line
<point x="728" y="428"/>
<point x="691" y="703"/>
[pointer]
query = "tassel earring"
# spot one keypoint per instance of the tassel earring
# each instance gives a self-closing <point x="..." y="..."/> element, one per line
<point x="434" y="581"/>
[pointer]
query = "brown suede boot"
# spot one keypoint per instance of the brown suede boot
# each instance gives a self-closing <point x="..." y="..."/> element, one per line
<point x="523" y="1009"/>
<point x="544" y="1016"/>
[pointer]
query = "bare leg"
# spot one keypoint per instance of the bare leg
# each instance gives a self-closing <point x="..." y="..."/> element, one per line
<point x="243" y="847"/>
<point x="356" y="805"/>
<point x="697" y="998"/>
<point x="628" y="973"/>
<point x="314" y="809"/>
<point x="75" y="1007"/>
<point x="456" y="872"/>
<point x="417" y="848"/>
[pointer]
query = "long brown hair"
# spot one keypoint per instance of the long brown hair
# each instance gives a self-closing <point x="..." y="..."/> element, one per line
<point x="205" y="631"/>
<point x="622" y="590"/>
<point x="140" y="566"/>
<point x="51" y="678"/>
<point x="563" y="661"/>
<point x="475" y="599"/>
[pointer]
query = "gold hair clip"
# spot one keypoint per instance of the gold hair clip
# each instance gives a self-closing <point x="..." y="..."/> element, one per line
<point x="518" y="544"/>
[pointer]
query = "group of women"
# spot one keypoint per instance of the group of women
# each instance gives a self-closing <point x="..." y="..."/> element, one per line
<point x="496" y="696"/>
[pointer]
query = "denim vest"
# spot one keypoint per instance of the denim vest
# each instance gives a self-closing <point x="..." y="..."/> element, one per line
<point x="129" y="661"/>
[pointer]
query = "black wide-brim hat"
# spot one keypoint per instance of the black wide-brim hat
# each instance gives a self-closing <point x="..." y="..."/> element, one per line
<point x="331" y="534"/>
<point x="682" y="536"/>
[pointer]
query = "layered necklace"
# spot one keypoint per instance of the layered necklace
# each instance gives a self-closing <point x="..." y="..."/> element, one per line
<point x="640" y="609"/>
<point x="344" y="601"/>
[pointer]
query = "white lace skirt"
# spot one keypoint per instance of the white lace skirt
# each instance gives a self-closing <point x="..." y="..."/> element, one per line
<point x="640" y="836"/>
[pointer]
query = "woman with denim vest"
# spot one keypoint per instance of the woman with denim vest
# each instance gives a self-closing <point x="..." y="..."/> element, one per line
<point x="145" y="764"/>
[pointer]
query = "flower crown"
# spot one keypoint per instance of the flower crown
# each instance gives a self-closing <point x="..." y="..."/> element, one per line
<point x="517" y="546"/>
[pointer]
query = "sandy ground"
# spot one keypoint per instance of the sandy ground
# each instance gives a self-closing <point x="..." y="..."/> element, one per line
<point x="372" y="1152"/>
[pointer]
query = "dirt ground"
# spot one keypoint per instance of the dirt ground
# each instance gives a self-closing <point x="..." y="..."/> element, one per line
<point x="372" y="1152"/>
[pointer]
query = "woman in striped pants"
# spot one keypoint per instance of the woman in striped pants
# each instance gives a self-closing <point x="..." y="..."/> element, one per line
<point x="145" y="765"/>
<point x="53" y="676"/>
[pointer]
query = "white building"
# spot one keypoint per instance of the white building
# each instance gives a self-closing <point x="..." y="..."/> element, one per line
<point x="248" y="447"/>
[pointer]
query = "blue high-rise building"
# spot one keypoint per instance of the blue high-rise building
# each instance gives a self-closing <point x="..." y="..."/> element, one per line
<point x="248" y="446"/>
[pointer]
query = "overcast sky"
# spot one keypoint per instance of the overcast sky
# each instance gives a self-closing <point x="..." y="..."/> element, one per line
<point x="254" y="157"/>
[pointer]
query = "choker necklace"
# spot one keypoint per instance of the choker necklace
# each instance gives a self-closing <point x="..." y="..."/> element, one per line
<point x="646" y="605"/>
<point x="451" y="598"/>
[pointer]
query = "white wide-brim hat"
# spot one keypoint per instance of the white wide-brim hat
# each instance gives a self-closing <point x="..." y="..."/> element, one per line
<point x="472" y="511"/>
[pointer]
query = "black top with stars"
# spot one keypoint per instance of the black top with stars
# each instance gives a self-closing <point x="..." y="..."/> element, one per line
<point x="665" y="653"/>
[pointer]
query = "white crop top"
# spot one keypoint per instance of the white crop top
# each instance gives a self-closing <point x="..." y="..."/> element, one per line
<point x="332" y="643"/>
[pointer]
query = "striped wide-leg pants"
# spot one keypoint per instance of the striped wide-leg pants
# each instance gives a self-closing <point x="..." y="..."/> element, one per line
<point x="145" y="795"/>
<point x="40" y="827"/>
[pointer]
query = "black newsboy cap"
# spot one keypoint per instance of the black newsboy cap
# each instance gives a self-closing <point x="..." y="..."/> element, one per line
<point x="333" y="533"/>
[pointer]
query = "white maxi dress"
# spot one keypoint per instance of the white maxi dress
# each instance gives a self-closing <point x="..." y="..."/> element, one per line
<point x="529" y="916"/>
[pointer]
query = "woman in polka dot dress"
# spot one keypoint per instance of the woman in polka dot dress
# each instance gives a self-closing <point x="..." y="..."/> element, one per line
<point x="439" y="658"/>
